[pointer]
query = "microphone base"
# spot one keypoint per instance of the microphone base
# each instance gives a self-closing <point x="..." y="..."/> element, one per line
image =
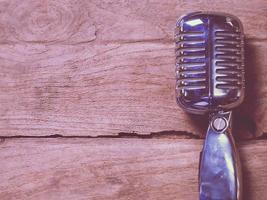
<point x="220" y="169"/>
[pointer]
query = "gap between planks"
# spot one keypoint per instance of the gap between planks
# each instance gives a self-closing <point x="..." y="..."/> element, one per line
<point x="133" y="135"/>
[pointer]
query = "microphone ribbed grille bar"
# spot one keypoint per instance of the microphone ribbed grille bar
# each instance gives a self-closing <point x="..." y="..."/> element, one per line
<point x="229" y="61"/>
<point x="209" y="62"/>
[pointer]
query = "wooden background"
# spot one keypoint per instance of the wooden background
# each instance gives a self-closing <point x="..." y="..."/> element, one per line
<point x="87" y="101"/>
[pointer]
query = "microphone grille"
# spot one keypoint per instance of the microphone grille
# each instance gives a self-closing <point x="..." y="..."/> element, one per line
<point x="209" y="62"/>
<point x="228" y="60"/>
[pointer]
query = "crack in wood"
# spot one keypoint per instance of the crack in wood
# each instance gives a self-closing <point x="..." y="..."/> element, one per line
<point x="262" y="137"/>
<point x="171" y="134"/>
<point x="161" y="134"/>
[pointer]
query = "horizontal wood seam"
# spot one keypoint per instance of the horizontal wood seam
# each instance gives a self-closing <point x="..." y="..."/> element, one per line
<point x="153" y="135"/>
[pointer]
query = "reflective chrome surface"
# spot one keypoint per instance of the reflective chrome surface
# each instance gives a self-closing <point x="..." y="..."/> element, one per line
<point x="210" y="79"/>
<point x="209" y="62"/>
<point x="220" y="174"/>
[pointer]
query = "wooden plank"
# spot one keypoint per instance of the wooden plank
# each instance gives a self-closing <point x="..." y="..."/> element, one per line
<point x="115" y="169"/>
<point x="101" y="68"/>
<point x="114" y="21"/>
<point x="119" y="92"/>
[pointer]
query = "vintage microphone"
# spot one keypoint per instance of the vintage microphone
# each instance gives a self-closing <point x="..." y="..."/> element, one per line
<point x="210" y="80"/>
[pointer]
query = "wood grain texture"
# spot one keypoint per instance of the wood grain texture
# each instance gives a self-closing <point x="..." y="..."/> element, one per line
<point x="106" y="169"/>
<point x="105" y="67"/>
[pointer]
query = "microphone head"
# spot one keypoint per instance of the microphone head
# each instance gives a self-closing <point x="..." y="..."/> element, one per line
<point x="209" y="62"/>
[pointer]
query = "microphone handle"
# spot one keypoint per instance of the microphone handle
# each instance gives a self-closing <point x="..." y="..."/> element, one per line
<point x="220" y="175"/>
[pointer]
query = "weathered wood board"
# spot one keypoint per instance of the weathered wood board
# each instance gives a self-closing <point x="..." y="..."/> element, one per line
<point x="96" y="169"/>
<point x="104" y="67"/>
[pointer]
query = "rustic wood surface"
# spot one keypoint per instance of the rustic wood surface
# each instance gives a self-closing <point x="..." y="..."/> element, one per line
<point x="82" y="69"/>
<point x="105" y="67"/>
<point x="109" y="169"/>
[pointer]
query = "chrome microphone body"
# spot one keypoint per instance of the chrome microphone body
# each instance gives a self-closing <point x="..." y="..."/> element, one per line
<point x="210" y="80"/>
